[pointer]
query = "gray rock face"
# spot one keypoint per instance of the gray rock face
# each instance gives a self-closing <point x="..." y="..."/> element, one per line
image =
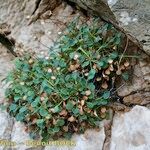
<point x="5" y="125"/>
<point x="19" y="136"/>
<point x="140" y="83"/>
<point x="98" y="7"/>
<point x="134" y="16"/>
<point x="6" y="122"/>
<point x="130" y="131"/>
<point x="36" y="32"/>
<point x="6" y="65"/>
<point x="90" y="140"/>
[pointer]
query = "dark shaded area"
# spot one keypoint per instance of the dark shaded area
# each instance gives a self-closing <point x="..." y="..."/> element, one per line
<point x="8" y="43"/>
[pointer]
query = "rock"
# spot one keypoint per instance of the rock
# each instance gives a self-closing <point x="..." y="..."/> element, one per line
<point x="117" y="106"/>
<point x="43" y="7"/>
<point x="41" y="33"/>
<point x="140" y="98"/>
<point x="130" y="131"/>
<point x="8" y="130"/>
<point x="98" y="7"/>
<point x="6" y="124"/>
<point x="140" y="78"/>
<point x="134" y="17"/>
<point x="21" y="138"/>
<point x="6" y="65"/>
<point x="91" y="139"/>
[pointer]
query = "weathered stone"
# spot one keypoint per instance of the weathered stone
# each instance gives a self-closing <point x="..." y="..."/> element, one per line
<point x="4" y="29"/>
<point x="134" y="16"/>
<point x="130" y="19"/>
<point x="6" y="124"/>
<point x="6" y="65"/>
<point x="130" y="131"/>
<point x="140" y="98"/>
<point x="117" y="106"/>
<point x="98" y="7"/>
<point x="21" y="138"/>
<point x="44" y="7"/>
<point x="7" y="130"/>
<point x="39" y="35"/>
<point x="107" y="125"/>
<point x="91" y="139"/>
<point x="140" y="78"/>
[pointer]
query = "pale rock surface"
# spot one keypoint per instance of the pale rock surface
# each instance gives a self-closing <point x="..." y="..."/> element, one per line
<point x="19" y="136"/>
<point x="91" y="139"/>
<point x="6" y="65"/>
<point x="6" y="124"/>
<point x="10" y="131"/>
<point x="39" y="35"/>
<point x="140" y="79"/>
<point x="134" y="16"/>
<point x="131" y="130"/>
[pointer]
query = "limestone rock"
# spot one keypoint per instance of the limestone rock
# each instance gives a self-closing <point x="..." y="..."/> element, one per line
<point x="91" y="139"/>
<point x="134" y="16"/>
<point x="98" y="7"/>
<point x="130" y="131"/>
<point x="21" y="138"/>
<point x="42" y="7"/>
<point x="40" y="35"/>
<point x="6" y="124"/>
<point x="140" y="78"/>
<point x="140" y="98"/>
<point x="6" y="65"/>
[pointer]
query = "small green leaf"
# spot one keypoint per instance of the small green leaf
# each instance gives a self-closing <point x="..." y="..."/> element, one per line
<point x="17" y="97"/>
<point x="118" y="38"/>
<point x="91" y="86"/>
<point x="97" y="39"/>
<point x="83" y="117"/>
<point x="125" y="76"/>
<point x="90" y="105"/>
<point x="67" y="135"/>
<point x="13" y="107"/>
<point x="31" y="93"/>
<point x="40" y="122"/>
<point x="56" y="109"/>
<point x="71" y="55"/>
<point x="91" y="74"/>
<point x="101" y="64"/>
<point x="114" y="55"/>
<point x="106" y="94"/>
<point x="43" y="112"/>
<point x="75" y="75"/>
<point x="69" y="106"/>
<point x="101" y="101"/>
<point x="86" y="63"/>
<point x="60" y="122"/>
<point x="75" y="111"/>
<point x="23" y="109"/>
<point x="35" y="102"/>
<point x="55" y="129"/>
<point x="20" y="116"/>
